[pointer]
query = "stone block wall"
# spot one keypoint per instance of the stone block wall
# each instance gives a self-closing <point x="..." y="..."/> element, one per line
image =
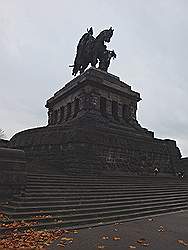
<point x="12" y="172"/>
<point x="92" y="148"/>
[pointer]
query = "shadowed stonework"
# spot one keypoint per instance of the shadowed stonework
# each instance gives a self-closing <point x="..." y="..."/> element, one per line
<point x="92" y="125"/>
<point x="12" y="172"/>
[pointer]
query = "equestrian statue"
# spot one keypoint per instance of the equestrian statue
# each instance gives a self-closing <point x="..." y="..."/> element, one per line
<point x="93" y="50"/>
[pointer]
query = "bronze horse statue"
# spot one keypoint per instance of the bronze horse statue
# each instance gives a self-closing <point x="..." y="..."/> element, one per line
<point x="93" y="50"/>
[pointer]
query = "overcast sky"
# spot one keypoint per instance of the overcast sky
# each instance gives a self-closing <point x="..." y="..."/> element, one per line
<point x="38" y="39"/>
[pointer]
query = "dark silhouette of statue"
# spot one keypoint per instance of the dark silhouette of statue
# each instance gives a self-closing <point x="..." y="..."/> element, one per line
<point x="93" y="50"/>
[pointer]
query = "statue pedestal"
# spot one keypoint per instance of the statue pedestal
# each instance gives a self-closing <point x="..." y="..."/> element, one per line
<point x="92" y="125"/>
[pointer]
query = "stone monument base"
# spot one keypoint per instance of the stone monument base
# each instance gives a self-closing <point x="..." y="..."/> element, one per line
<point x="92" y="126"/>
<point x="91" y="149"/>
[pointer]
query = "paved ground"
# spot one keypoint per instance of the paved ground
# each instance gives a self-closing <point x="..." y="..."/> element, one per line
<point x="166" y="232"/>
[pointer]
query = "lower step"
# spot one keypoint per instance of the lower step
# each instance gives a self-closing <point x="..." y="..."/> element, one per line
<point x="58" y="209"/>
<point x="88" y="222"/>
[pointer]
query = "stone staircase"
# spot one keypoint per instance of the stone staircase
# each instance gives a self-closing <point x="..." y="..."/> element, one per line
<point x="64" y="201"/>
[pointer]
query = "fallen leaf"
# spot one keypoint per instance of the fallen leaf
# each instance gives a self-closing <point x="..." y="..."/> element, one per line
<point x="143" y="242"/>
<point x="116" y="238"/>
<point x="67" y="239"/>
<point x="75" y="232"/>
<point x="105" y="238"/>
<point x="183" y="242"/>
<point x="3" y="216"/>
<point x="30" y="239"/>
<point x="132" y="247"/>
<point x="42" y="216"/>
<point x="60" y="245"/>
<point x="100" y="247"/>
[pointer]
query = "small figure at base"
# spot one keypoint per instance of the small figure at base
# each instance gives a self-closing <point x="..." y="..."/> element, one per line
<point x="156" y="171"/>
<point x="180" y="174"/>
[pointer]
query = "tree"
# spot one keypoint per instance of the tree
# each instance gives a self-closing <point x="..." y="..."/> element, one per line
<point x="2" y="134"/>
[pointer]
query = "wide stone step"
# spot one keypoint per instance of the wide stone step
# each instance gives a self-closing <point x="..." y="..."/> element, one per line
<point x="102" y="177"/>
<point x="61" y="210"/>
<point x="98" y="197"/>
<point x="114" y="179"/>
<point x="96" y="185"/>
<point x="99" y="189"/>
<point x="96" y="202"/>
<point x="99" y="180"/>
<point x="99" y="185"/>
<point x="63" y="201"/>
<point x="68" y="193"/>
<point x="104" y="219"/>
<point x="99" y="176"/>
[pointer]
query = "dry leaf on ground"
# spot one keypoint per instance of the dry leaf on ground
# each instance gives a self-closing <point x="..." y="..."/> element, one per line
<point x="116" y="238"/>
<point x="105" y="237"/>
<point x="3" y="216"/>
<point x="30" y="239"/>
<point x="17" y="224"/>
<point x="66" y="239"/>
<point x="185" y="243"/>
<point x="60" y="245"/>
<point x="100" y="247"/>
<point x="143" y="242"/>
<point x="75" y="231"/>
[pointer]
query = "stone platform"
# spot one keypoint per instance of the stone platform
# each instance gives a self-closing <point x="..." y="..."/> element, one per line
<point x="92" y="126"/>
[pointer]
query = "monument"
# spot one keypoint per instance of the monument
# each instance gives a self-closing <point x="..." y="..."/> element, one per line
<point x="93" y="50"/>
<point x="92" y="122"/>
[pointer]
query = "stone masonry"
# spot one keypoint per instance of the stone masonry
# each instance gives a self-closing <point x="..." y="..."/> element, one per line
<point x="92" y="125"/>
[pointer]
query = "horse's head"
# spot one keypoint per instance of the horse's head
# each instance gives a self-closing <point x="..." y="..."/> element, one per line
<point x="108" y="34"/>
<point x="105" y="35"/>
